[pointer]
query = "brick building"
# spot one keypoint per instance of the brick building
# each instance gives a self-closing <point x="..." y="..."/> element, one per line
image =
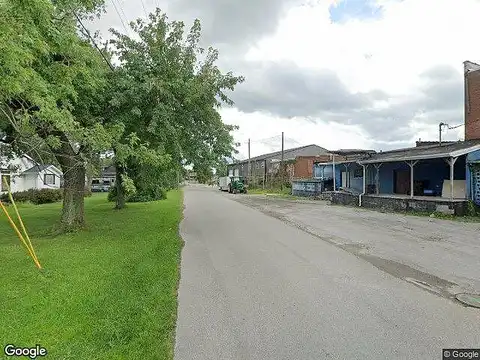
<point x="472" y="100"/>
<point x="298" y="164"/>
<point x="303" y="166"/>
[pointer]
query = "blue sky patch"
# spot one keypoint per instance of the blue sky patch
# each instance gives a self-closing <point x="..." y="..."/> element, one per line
<point x="354" y="9"/>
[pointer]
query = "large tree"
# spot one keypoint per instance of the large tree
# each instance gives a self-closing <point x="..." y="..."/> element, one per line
<point x="166" y="93"/>
<point x="50" y="80"/>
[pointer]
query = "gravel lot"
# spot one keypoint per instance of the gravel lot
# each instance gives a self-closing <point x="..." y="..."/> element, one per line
<point x="441" y="256"/>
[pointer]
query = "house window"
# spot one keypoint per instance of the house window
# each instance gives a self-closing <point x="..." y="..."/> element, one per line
<point x="358" y="173"/>
<point x="7" y="179"/>
<point x="95" y="182"/>
<point x="49" y="179"/>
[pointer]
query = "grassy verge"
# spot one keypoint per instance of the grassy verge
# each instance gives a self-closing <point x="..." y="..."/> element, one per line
<point x="108" y="292"/>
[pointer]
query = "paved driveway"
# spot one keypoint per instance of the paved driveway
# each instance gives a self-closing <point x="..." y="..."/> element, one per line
<point x="255" y="287"/>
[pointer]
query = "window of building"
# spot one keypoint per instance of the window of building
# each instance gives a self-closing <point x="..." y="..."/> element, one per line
<point x="8" y="179"/>
<point x="358" y="173"/>
<point x="95" y="182"/>
<point x="49" y="179"/>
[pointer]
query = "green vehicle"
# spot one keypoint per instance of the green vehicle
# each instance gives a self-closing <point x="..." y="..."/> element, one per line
<point x="237" y="185"/>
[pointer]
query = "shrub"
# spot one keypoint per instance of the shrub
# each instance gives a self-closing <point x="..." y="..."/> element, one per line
<point x="112" y="194"/>
<point x="156" y="193"/>
<point x="36" y="196"/>
<point x="472" y="209"/>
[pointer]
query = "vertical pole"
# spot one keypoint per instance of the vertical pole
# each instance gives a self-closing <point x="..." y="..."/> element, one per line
<point x="377" y="178"/>
<point x="281" y="165"/>
<point x="364" y="179"/>
<point x="440" y="133"/>
<point x="451" y="162"/>
<point x="411" y="164"/>
<point x="249" y="168"/>
<point x="334" y="175"/>
<point x="411" y="180"/>
<point x="264" y="173"/>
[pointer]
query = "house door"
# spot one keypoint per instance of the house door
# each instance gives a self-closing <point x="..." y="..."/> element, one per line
<point x="476" y="184"/>
<point x="401" y="182"/>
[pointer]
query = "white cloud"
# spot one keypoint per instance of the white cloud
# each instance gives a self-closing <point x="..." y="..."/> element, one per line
<point x="410" y="37"/>
<point x="259" y="126"/>
<point x="388" y="53"/>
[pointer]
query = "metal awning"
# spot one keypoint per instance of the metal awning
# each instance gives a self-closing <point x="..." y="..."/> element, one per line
<point x="424" y="153"/>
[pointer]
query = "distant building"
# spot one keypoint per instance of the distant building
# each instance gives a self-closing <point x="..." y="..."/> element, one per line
<point x="298" y="162"/>
<point x="106" y="179"/>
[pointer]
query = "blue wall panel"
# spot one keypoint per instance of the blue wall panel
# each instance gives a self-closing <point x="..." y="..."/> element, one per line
<point x="471" y="157"/>
<point x="434" y="171"/>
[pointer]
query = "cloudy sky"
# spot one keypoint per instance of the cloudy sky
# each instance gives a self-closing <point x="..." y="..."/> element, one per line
<point x="377" y="74"/>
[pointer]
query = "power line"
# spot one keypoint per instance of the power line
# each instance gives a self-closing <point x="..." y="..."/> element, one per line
<point x="93" y="41"/>
<point x="144" y="9"/>
<point x="118" y="13"/>
<point x="264" y="139"/>
<point x="121" y="9"/>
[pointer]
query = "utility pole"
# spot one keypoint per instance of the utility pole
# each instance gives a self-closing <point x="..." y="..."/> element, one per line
<point x="281" y="165"/>
<point x="440" y="132"/>
<point x="248" y="170"/>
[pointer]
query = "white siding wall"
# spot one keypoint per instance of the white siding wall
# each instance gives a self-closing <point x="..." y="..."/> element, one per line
<point x="17" y="183"/>
<point x="29" y="182"/>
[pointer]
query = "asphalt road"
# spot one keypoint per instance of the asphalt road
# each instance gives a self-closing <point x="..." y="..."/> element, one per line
<point x="254" y="287"/>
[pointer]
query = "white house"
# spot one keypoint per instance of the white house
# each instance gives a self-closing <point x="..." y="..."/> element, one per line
<point x="23" y="173"/>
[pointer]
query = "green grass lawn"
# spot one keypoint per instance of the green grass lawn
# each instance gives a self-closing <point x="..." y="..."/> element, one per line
<point x="108" y="292"/>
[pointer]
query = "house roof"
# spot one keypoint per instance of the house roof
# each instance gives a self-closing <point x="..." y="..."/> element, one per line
<point x="38" y="168"/>
<point x="424" y="152"/>
<point x="109" y="170"/>
<point x="286" y="154"/>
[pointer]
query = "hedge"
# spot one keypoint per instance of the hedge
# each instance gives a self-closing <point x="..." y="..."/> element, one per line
<point x="35" y="196"/>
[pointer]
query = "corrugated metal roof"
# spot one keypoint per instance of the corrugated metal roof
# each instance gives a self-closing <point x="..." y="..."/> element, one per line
<point x="286" y="152"/>
<point x="424" y="152"/>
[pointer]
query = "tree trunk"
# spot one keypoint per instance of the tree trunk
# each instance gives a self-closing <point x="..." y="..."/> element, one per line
<point x="88" y="186"/>
<point x="120" y="201"/>
<point x="73" y="196"/>
<point x="73" y="168"/>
